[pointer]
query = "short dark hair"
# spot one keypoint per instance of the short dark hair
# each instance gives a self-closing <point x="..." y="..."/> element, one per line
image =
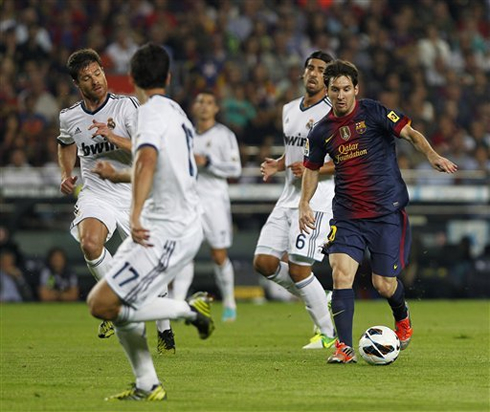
<point x="209" y="92"/>
<point x="339" y="68"/>
<point x="149" y="66"/>
<point x="320" y="55"/>
<point x="81" y="59"/>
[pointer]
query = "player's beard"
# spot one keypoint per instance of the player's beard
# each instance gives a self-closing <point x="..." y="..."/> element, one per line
<point x="96" y="96"/>
<point x="314" y="91"/>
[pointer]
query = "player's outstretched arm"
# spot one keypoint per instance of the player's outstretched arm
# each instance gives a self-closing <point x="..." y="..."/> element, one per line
<point x="143" y="172"/>
<point x="67" y="156"/>
<point x="422" y="145"/>
<point x="309" y="184"/>
<point x="269" y="167"/>
<point x="107" y="171"/>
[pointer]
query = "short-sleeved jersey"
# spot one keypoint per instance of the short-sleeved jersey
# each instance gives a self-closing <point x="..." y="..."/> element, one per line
<point x="119" y="112"/>
<point x="220" y="145"/>
<point x="297" y="122"/>
<point x="163" y="125"/>
<point x="368" y="182"/>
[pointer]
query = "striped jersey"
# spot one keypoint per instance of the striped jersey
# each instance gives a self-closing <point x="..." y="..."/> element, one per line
<point x="297" y="121"/>
<point x="119" y="113"/>
<point x="368" y="182"/>
<point x="220" y="145"/>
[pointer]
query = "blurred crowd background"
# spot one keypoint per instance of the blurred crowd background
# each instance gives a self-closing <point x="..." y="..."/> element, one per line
<point x="428" y="58"/>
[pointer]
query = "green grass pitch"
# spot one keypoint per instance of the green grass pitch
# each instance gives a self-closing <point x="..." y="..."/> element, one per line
<point x="51" y="360"/>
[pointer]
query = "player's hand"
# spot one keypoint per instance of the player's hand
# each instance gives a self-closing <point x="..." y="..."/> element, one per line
<point x="306" y="219"/>
<point x="67" y="185"/>
<point x="297" y="168"/>
<point x="268" y="168"/>
<point x="442" y="164"/>
<point x="140" y="234"/>
<point x="101" y="129"/>
<point x="105" y="170"/>
<point x="201" y="160"/>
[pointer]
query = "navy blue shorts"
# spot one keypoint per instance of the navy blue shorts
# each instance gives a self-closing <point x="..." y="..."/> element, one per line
<point x="388" y="239"/>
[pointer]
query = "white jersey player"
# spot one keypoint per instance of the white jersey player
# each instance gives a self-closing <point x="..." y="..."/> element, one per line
<point x="99" y="127"/>
<point x="280" y="237"/>
<point x="218" y="158"/>
<point x="166" y="230"/>
<point x="101" y="199"/>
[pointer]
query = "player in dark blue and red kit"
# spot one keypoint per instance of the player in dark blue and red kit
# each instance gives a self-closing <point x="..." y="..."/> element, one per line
<point x="369" y="202"/>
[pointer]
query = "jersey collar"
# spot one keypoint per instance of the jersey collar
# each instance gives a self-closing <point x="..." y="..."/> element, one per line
<point x="98" y="109"/>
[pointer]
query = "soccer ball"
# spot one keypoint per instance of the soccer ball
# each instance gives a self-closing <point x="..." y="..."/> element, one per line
<point x="379" y="345"/>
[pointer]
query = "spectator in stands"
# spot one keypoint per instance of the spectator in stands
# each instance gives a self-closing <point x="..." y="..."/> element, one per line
<point x="13" y="286"/>
<point x="120" y="50"/>
<point x="19" y="173"/>
<point x="58" y="282"/>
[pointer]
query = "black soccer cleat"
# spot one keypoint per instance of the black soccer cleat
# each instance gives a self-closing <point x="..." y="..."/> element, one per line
<point x="200" y="303"/>
<point x="166" y="342"/>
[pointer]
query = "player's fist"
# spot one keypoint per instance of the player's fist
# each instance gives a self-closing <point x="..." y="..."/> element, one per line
<point x="297" y="168"/>
<point x="268" y="168"/>
<point x="105" y="170"/>
<point x="68" y="185"/>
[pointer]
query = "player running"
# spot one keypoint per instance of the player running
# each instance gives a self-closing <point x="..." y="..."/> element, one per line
<point x="166" y="230"/>
<point x="280" y="235"/>
<point x="370" y="199"/>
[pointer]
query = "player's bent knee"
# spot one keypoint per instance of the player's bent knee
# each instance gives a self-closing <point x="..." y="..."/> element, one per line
<point x="103" y="303"/>
<point x="91" y="247"/>
<point x="265" y="265"/>
<point x="219" y="256"/>
<point x="385" y="286"/>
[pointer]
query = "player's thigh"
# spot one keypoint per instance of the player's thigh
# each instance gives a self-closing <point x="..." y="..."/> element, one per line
<point x="139" y="274"/>
<point x="346" y="237"/>
<point x="389" y="240"/>
<point x="217" y="225"/>
<point x="306" y="248"/>
<point x="91" y="208"/>
<point x="274" y="236"/>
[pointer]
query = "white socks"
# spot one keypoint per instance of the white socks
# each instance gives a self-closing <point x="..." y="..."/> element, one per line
<point x="225" y="279"/>
<point x="310" y="290"/>
<point x="163" y="324"/>
<point x="182" y="282"/>
<point x="316" y="302"/>
<point x="132" y="337"/>
<point x="100" y="266"/>
<point x="159" y="308"/>
<point x="282" y="278"/>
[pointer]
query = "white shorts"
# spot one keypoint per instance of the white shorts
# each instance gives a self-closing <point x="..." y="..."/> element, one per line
<point x="112" y="217"/>
<point x="139" y="274"/>
<point x="281" y="234"/>
<point x="216" y="222"/>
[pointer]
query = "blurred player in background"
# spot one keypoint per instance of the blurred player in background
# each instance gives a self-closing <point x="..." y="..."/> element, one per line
<point x="370" y="199"/>
<point x="280" y="235"/>
<point x="218" y="158"/>
<point x="166" y="230"/>
<point x="99" y="127"/>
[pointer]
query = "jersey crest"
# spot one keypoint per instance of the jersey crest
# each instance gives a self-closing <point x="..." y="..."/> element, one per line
<point x="361" y="127"/>
<point x="111" y="124"/>
<point x="344" y="132"/>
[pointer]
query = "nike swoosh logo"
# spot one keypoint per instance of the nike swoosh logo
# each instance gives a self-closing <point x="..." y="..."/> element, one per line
<point x="330" y="138"/>
<point x="338" y="313"/>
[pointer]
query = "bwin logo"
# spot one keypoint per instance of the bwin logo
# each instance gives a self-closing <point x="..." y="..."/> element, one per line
<point x="97" y="148"/>
<point x="295" y="141"/>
